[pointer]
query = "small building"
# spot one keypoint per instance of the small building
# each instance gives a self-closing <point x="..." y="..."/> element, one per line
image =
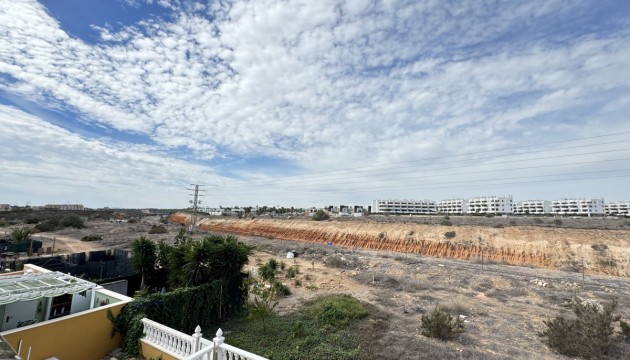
<point x="5" y="207"/>
<point x="43" y="310"/>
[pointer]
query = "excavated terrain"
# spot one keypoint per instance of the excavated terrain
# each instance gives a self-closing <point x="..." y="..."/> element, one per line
<point x="596" y="251"/>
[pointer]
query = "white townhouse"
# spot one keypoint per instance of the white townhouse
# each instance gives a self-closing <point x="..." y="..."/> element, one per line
<point x="617" y="208"/>
<point x="588" y="207"/>
<point x="532" y="207"/>
<point x="404" y="206"/>
<point x="490" y="205"/>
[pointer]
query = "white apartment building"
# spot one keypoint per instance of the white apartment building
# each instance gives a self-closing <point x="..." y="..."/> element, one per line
<point x="532" y="207"/>
<point x="617" y="208"/>
<point x="588" y="207"/>
<point x="452" y="206"/>
<point x="404" y="206"/>
<point x="64" y="207"/>
<point x="490" y="205"/>
<point x="5" y="207"/>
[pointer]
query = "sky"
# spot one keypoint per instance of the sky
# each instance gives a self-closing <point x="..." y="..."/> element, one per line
<point x="125" y="103"/>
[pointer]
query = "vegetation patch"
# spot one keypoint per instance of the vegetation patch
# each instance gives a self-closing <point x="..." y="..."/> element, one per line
<point x="320" y="215"/>
<point x="450" y="234"/>
<point x="328" y="328"/>
<point x="92" y="237"/>
<point x="588" y="334"/>
<point x="441" y="325"/>
<point x="158" y="229"/>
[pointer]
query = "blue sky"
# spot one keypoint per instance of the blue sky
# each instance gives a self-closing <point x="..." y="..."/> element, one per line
<point x="307" y="103"/>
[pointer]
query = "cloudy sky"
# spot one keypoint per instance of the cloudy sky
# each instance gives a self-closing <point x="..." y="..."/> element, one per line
<point x="307" y="103"/>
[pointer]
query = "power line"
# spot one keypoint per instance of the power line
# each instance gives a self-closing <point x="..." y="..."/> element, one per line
<point x="354" y="176"/>
<point x="195" y="202"/>
<point x="388" y="165"/>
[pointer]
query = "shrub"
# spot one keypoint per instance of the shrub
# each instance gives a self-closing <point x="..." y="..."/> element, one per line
<point x="72" y="220"/>
<point x="320" y="215"/>
<point x="292" y="271"/>
<point x="91" y="237"/>
<point x="280" y="289"/>
<point x="446" y="223"/>
<point x="132" y="220"/>
<point x="625" y="330"/>
<point x="158" y="229"/>
<point x="557" y="222"/>
<point x="46" y="226"/>
<point x="31" y="219"/>
<point x="450" y="234"/>
<point x="587" y="335"/>
<point x="337" y="310"/>
<point x="298" y="283"/>
<point x="268" y="270"/>
<point x="537" y="221"/>
<point x="441" y="325"/>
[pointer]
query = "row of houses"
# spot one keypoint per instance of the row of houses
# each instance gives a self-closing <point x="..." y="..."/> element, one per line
<point x="503" y="205"/>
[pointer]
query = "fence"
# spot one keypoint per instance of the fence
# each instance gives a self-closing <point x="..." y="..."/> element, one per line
<point x="173" y="344"/>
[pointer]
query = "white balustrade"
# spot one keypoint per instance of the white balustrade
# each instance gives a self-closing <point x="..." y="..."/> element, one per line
<point x="193" y="347"/>
<point x="168" y="339"/>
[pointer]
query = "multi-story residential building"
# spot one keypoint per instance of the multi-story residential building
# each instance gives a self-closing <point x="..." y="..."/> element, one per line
<point x="404" y="206"/>
<point x="5" y="207"/>
<point x="490" y="205"/>
<point x="452" y="206"/>
<point x="532" y="207"/>
<point x="66" y="207"/>
<point x="588" y="207"/>
<point x="617" y="208"/>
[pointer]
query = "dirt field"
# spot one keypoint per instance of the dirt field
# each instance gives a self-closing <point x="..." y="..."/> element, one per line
<point x="504" y="305"/>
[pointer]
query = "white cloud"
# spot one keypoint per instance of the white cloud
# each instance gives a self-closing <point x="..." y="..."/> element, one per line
<point x="310" y="82"/>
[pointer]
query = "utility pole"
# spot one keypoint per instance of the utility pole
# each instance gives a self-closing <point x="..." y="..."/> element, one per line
<point x="196" y="189"/>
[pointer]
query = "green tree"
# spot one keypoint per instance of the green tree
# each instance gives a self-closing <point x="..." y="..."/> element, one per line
<point x="23" y="234"/>
<point x="144" y="257"/>
<point x="320" y="215"/>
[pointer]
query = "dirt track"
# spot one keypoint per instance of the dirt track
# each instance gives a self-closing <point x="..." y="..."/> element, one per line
<point x="554" y="248"/>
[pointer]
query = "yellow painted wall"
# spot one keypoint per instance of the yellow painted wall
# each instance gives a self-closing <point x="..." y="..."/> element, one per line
<point x="76" y="337"/>
<point x="149" y="352"/>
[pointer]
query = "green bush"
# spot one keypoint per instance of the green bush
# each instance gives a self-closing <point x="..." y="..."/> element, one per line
<point x="269" y="270"/>
<point x="31" y="219"/>
<point x="298" y="283"/>
<point x="46" y="226"/>
<point x="71" y="220"/>
<point x="557" y="222"/>
<point x="337" y="310"/>
<point x="625" y="330"/>
<point x="587" y="335"/>
<point x="446" y="223"/>
<point x="280" y="289"/>
<point x="292" y="271"/>
<point x="441" y="325"/>
<point x="158" y="229"/>
<point x="91" y="237"/>
<point x="450" y="234"/>
<point x="320" y="215"/>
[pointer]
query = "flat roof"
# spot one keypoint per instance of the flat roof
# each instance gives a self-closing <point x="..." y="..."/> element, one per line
<point x="30" y="285"/>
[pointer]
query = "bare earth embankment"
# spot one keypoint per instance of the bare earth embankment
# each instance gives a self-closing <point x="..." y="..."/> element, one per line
<point x="601" y="251"/>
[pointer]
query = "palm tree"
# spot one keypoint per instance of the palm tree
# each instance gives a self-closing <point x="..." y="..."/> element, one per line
<point x="144" y="256"/>
<point x="23" y="234"/>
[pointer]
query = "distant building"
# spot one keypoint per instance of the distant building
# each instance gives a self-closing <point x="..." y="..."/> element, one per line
<point x="64" y="207"/>
<point x="620" y="208"/>
<point x="532" y="207"/>
<point x="452" y="206"/>
<point x="490" y="205"/>
<point x="404" y="206"/>
<point x="578" y="206"/>
<point x="5" y="207"/>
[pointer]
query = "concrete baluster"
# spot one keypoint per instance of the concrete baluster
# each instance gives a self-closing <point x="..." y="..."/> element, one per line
<point x="196" y="344"/>
<point x="218" y="341"/>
